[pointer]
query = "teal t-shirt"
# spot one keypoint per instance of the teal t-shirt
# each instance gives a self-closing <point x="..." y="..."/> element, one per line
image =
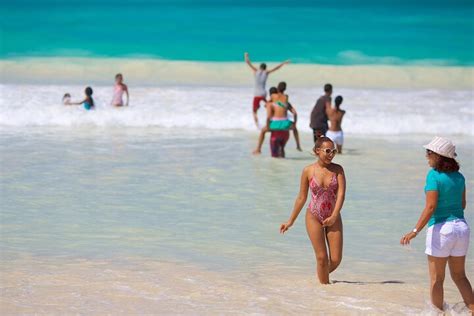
<point x="450" y="187"/>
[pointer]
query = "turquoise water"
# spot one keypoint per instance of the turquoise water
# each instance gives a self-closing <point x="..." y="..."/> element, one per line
<point x="325" y="32"/>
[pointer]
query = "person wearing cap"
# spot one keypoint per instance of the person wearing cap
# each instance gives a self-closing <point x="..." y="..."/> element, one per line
<point x="447" y="237"/>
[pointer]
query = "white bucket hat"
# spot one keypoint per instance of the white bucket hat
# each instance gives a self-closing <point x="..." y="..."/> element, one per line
<point x="442" y="146"/>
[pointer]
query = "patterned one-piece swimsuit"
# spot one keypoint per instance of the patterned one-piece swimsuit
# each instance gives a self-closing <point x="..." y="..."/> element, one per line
<point x="323" y="199"/>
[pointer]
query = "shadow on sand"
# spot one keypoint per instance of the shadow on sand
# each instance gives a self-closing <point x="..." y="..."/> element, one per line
<point x="367" y="283"/>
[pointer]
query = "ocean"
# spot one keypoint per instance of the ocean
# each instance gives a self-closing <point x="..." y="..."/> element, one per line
<point x="160" y="207"/>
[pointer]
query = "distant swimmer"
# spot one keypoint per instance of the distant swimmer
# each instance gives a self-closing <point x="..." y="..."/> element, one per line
<point x="261" y="75"/>
<point x="326" y="184"/>
<point x="119" y="89"/>
<point x="319" y="117"/>
<point x="88" y="102"/>
<point x="277" y="118"/>
<point x="335" y="116"/>
<point x="66" y="99"/>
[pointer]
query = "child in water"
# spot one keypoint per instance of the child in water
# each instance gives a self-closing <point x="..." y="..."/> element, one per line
<point x="119" y="89"/>
<point x="327" y="183"/>
<point x="66" y="99"/>
<point x="88" y="101"/>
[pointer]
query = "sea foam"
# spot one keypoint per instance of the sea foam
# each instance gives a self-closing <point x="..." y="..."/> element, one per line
<point x="369" y="111"/>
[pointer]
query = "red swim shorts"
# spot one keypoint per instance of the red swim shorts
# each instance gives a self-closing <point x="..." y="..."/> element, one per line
<point x="278" y="141"/>
<point x="256" y="102"/>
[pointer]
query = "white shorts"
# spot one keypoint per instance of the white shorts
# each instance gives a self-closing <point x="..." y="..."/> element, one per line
<point x="448" y="239"/>
<point x="336" y="137"/>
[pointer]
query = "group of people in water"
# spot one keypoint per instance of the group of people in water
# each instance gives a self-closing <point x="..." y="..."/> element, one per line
<point x="447" y="238"/>
<point x="278" y="122"/>
<point x="120" y="89"/>
<point x="448" y="234"/>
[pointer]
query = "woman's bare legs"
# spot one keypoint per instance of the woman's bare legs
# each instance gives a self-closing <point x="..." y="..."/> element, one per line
<point x="437" y="268"/>
<point x="334" y="240"/>
<point x="458" y="274"/>
<point x="318" y="240"/>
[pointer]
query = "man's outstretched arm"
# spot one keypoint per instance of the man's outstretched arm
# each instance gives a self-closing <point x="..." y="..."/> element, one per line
<point x="247" y="60"/>
<point x="279" y="66"/>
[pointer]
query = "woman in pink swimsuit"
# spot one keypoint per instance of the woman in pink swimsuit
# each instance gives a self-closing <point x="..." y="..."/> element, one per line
<point x="327" y="184"/>
<point x="119" y="89"/>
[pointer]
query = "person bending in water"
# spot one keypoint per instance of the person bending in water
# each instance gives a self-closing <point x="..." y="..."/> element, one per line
<point x="284" y="98"/>
<point x="119" y="89"/>
<point x="261" y="75"/>
<point x="88" y="102"/>
<point x="335" y="118"/>
<point x="66" y="99"/>
<point x="327" y="183"/>
<point x="277" y="118"/>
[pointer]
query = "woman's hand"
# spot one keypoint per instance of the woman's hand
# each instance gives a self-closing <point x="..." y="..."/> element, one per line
<point x="406" y="239"/>
<point x="329" y="221"/>
<point x="285" y="226"/>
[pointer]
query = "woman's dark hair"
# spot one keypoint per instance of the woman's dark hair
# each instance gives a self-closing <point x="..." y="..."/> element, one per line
<point x="118" y="75"/>
<point x="320" y="141"/>
<point x="273" y="90"/>
<point x="89" y="91"/>
<point x="281" y="87"/>
<point x="445" y="164"/>
<point x="263" y="66"/>
<point x="338" y="101"/>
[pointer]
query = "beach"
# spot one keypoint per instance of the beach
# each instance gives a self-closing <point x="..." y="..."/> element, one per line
<point x="154" y="220"/>
<point x="160" y="208"/>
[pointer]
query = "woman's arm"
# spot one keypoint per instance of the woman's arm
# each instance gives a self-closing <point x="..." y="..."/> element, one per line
<point x="299" y="202"/>
<point x="340" y="197"/>
<point x="279" y="66"/>
<point x="77" y="103"/>
<point x="125" y="88"/>
<point x="430" y="207"/>
<point x="269" y="108"/>
<point x="247" y="60"/>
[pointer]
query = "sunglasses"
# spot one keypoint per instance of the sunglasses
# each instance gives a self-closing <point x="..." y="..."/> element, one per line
<point x="329" y="151"/>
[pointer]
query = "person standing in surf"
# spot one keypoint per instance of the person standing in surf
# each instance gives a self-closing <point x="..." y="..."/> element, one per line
<point x="119" y="89"/>
<point x="335" y="116"/>
<point x="261" y="75"/>
<point x="278" y="97"/>
<point x="327" y="184"/>
<point x="319" y="116"/>
<point x="447" y="236"/>
<point x="88" y="101"/>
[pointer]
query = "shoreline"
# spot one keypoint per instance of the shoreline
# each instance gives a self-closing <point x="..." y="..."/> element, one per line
<point x="148" y="71"/>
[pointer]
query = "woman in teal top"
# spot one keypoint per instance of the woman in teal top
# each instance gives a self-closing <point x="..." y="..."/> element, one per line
<point x="447" y="237"/>
<point x="88" y="102"/>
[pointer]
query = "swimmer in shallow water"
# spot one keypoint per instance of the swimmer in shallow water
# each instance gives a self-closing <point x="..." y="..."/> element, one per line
<point x="88" y="102"/>
<point x="120" y="89"/>
<point x="66" y="99"/>
<point x="327" y="184"/>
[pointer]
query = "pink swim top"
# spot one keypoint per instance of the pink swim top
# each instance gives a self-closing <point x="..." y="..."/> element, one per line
<point x="118" y="93"/>
<point x="323" y="199"/>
